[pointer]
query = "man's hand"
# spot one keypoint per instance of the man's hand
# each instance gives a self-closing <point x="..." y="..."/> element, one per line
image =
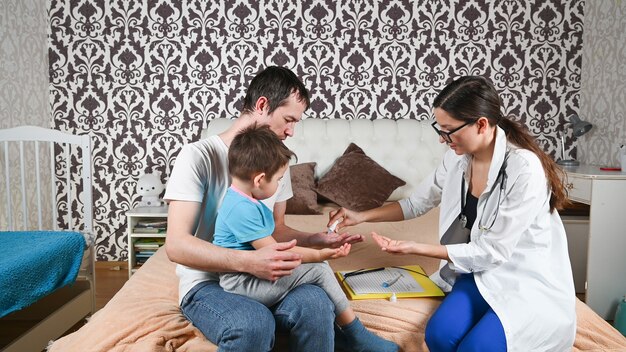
<point x="273" y="262"/>
<point x="333" y="239"/>
<point x="334" y="253"/>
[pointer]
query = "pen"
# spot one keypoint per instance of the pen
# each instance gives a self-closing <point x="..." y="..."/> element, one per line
<point x="611" y="168"/>
<point x="361" y="271"/>
<point x="392" y="281"/>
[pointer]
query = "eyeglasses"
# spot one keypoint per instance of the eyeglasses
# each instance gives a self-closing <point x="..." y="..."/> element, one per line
<point x="446" y="135"/>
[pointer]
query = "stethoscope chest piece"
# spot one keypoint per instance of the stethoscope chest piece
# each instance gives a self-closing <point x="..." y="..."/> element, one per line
<point x="463" y="220"/>
<point x="500" y="179"/>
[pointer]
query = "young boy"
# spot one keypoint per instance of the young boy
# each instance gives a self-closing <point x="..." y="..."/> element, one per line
<point x="257" y="160"/>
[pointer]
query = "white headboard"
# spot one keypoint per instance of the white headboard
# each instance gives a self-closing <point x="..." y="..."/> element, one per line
<point x="409" y="149"/>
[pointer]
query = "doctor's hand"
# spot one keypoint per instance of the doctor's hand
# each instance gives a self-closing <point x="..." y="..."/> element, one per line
<point x="333" y="239"/>
<point x="410" y="247"/>
<point x="394" y="246"/>
<point x="271" y="262"/>
<point x="345" y="217"/>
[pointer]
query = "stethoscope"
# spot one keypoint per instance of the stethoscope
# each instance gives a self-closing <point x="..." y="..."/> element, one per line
<point x="501" y="178"/>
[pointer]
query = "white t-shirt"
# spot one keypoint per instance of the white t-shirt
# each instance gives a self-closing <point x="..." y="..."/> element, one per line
<point x="200" y="175"/>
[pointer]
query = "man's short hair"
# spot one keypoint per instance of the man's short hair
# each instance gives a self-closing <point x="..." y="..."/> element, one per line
<point x="257" y="149"/>
<point x="276" y="84"/>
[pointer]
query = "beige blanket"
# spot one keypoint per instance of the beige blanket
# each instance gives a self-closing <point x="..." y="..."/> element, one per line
<point x="144" y="314"/>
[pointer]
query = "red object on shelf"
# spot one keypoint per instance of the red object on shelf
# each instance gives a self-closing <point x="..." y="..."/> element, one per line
<point x="611" y="168"/>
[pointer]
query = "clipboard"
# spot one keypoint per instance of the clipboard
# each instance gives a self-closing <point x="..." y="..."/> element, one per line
<point x="406" y="282"/>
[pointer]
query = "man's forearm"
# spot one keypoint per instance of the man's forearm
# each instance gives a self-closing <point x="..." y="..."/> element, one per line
<point x="199" y="254"/>
<point x="186" y="249"/>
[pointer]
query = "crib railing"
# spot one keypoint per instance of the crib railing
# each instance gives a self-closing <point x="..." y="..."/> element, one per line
<point x="63" y="190"/>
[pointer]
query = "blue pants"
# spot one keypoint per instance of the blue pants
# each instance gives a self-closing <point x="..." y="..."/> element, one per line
<point x="465" y="322"/>
<point x="238" y="323"/>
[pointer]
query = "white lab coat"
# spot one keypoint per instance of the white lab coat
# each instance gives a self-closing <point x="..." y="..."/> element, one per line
<point x="521" y="266"/>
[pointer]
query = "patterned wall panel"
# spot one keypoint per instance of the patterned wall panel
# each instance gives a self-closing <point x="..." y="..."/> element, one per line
<point x="143" y="77"/>
<point x="603" y="88"/>
<point x="23" y="87"/>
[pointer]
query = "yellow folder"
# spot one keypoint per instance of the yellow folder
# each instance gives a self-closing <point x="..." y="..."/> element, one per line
<point x="380" y="276"/>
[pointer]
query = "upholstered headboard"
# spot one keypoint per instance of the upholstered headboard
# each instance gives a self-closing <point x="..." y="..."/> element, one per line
<point x="409" y="149"/>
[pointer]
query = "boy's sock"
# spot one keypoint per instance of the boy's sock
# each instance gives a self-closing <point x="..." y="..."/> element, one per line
<point x="362" y="340"/>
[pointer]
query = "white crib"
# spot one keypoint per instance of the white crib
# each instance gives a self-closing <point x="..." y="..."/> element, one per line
<point x="47" y="185"/>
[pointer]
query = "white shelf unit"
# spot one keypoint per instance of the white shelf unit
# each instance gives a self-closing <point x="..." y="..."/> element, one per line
<point x="135" y="215"/>
<point x="605" y="267"/>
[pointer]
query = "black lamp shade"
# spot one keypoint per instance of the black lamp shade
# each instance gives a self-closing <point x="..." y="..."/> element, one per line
<point x="580" y="127"/>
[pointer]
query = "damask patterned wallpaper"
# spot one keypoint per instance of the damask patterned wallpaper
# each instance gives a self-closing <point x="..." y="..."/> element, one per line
<point x="143" y="77"/>
<point x="603" y="87"/>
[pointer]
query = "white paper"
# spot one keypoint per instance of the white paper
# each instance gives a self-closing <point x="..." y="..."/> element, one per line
<point x="372" y="282"/>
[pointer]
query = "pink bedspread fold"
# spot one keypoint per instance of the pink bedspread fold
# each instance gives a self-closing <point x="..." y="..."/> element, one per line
<point x="144" y="315"/>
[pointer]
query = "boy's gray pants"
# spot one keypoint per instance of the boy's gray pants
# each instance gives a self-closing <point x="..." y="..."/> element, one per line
<point x="269" y="293"/>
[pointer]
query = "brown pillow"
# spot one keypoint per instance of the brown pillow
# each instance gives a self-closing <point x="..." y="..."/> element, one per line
<point x="304" y="200"/>
<point x="357" y="182"/>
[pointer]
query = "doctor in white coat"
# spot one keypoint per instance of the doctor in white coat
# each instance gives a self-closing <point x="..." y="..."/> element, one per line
<point x="503" y="245"/>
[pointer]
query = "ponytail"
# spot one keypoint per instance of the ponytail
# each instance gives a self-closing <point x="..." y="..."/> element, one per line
<point x="519" y="136"/>
<point x="472" y="96"/>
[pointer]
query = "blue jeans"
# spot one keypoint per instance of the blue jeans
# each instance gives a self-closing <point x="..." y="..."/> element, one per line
<point x="238" y="323"/>
<point x="464" y="322"/>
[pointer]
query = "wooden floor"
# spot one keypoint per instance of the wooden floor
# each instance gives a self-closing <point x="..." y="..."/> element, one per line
<point x="110" y="277"/>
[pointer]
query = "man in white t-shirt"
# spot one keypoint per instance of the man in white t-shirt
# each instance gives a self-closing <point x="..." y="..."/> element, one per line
<point x="199" y="180"/>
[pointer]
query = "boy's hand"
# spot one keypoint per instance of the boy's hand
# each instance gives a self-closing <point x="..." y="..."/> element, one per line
<point x="334" y="253"/>
<point x="333" y="239"/>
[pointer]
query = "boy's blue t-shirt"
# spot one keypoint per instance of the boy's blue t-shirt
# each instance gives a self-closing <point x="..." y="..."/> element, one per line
<point x="241" y="220"/>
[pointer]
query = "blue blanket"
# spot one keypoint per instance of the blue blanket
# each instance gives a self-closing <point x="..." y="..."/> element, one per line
<point x="35" y="263"/>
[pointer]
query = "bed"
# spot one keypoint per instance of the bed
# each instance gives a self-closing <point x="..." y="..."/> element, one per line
<point x="47" y="281"/>
<point x="144" y="315"/>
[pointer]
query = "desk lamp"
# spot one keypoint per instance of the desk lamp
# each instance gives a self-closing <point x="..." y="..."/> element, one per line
<point x="580" y="127"/>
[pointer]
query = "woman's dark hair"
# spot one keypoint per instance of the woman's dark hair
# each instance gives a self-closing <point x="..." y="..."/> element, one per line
<point x="276" y="84"/>
<point x="257" y="149"/>
<point x="471" y="97"/>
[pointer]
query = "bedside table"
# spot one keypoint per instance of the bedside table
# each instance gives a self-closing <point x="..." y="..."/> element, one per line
<point x="146" y="234"/>
<point x="605" y="193"/>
